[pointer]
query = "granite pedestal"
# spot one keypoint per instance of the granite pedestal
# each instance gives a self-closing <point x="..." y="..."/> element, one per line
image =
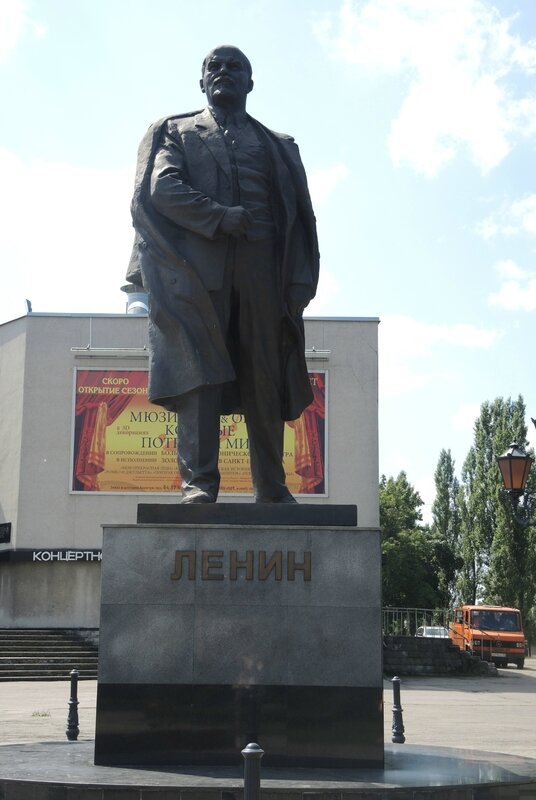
<point x="216" y="635"/>
<point x="64" y="771"/>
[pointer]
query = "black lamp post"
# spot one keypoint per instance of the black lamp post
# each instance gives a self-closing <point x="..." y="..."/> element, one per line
<point x="515" y="466"/>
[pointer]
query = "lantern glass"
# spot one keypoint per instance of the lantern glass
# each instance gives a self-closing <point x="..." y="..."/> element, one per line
<point x="515" y="466"/>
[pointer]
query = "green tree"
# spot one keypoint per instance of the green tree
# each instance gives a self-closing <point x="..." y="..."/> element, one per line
<point x="409" y="578"/>
<point x="400" y="505"/>
<point x="446" y="527"/>
<point x="497" y="553"/>
<point x="469" y="575"/>
<point x="409" y="575"/>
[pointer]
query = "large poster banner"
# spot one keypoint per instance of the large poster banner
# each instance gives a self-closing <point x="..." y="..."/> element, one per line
<point x="123" y="443"/>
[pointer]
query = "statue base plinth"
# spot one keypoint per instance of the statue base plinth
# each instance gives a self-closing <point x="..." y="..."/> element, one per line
<point x="214" y="636"/>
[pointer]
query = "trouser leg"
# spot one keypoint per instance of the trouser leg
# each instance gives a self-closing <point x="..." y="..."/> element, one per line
<point x="198" y="435"/>
<point x="266" y="457"/>
<point x="198" y="426"/>
<point x="260" y="366"/>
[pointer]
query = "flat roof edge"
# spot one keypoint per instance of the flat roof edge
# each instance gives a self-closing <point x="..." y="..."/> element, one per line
<point x="144" y="316"/>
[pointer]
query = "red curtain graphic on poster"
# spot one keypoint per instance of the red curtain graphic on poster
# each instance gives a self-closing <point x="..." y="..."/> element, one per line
<point x="94" y="412"/>
<point x="309" y="432"/>
<point x="123" y="443"/>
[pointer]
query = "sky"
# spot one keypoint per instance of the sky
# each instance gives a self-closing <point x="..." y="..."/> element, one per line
<point x="416" y="122"/>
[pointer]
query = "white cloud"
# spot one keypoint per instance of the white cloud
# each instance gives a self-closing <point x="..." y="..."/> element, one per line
<point x="12" y="17"/>
<point x="509" y="269"/>
<point x="456" y="60"/>
<point x="487" y="228"/>
<point x="406" y="348"/>
<point x="427" y="490"/>
<point x="395" y="459"/>
<point x="518" y="289"/>
<point x="323" y="182"/>
<point x="464" y="417"/>
<point x="14" y="21"/>
<point x="524" y="211"/>
<point x="511" y="219"/>
<point x="39" y="30"/>
<point x="328" y="289"/>
<point x="419" y="338"/>
<point x="66" y="235"/>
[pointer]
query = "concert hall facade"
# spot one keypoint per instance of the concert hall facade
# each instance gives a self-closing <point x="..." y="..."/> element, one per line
<point x="82" y="446"/>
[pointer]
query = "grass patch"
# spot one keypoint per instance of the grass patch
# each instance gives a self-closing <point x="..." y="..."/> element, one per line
<point x="41" y="714"/>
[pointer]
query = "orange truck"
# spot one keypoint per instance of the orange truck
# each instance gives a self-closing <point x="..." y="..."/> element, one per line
<point x="494" y="633"/>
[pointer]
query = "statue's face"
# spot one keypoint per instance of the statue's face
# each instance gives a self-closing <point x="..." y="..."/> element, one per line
<point x="226" y="78"/>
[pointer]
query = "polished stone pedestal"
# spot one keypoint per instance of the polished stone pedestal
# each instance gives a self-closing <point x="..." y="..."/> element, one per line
<point x="272" y="514"/>
<point x="65" y="771"/>
<point x="216" y="635"/>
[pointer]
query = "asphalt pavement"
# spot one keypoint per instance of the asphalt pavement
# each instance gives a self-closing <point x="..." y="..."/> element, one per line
<point x="492" y="714"/>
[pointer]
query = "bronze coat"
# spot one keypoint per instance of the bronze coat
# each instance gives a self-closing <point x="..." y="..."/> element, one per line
<point x="178" y="257"/>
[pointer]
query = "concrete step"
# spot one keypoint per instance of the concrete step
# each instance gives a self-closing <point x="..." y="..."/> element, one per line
<point x="6" y="664"/>
<point x="44" y="641"/>
<point x="88" y="675"/>
<point x="406" y="655"/>
<point x="14" y="633"/>
<point x="52" y="651"/>
<point x="42" y="678"/>
<point x="45" y="654"/>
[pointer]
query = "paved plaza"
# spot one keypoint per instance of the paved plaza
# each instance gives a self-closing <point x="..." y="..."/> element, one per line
<point x="493" y="714"/>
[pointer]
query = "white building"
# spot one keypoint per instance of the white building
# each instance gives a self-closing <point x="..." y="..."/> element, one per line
<point x="51" y="514"/>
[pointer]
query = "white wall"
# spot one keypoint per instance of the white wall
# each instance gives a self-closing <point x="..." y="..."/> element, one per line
<point x="12" y="365"/>
<point x="36" y="407"/>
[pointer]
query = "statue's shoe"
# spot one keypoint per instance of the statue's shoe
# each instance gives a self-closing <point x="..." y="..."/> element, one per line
<point x="286" y="498"/>
<point x="197" y="497"/>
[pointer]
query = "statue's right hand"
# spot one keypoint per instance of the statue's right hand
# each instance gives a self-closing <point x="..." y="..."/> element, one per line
<point x="235" y="221"/>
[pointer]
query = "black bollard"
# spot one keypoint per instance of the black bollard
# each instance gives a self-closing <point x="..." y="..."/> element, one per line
<point x="72" y="718"/>
<point x="252" y="771"/>
<point x="398" y="723"/>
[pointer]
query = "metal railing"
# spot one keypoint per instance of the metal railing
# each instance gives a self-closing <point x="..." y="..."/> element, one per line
<point x="406" y="621"/>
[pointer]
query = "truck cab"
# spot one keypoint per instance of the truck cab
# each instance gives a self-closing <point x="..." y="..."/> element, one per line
<point x="493" y="633"/>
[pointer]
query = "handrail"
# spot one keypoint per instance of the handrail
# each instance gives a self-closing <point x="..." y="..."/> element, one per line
<point x="405" y="621"/>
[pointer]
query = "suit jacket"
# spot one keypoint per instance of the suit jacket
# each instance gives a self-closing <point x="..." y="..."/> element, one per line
<point x="182" y="189"/>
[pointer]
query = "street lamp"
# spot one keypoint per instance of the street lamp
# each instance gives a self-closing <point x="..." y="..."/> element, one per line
<point x="515" y="466"/>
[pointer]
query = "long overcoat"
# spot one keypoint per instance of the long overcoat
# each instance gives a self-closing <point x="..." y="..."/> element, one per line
<point x="180" y="256"/>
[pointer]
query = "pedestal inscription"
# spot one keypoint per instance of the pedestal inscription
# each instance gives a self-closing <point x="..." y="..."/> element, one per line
<point x="212" y="637"/>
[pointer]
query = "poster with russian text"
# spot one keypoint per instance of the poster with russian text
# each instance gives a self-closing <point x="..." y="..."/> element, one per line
<point x="122" y="443"/>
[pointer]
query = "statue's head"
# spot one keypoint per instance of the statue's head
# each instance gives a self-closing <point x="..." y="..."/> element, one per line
<point x="226" y="77"/>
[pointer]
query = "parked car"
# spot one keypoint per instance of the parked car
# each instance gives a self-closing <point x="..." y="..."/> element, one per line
<point x="432" y="632"/>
